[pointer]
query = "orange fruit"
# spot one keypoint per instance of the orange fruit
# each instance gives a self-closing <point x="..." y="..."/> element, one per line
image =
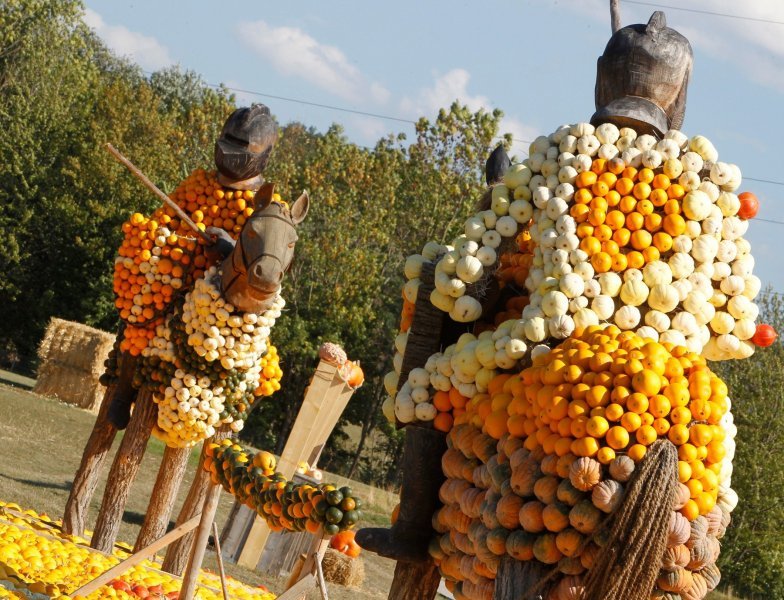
<point x="678" y="434"/>
<point x="617" y="437"/>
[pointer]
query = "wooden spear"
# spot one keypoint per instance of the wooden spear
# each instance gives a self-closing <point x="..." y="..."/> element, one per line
<point x="154" y="189"/>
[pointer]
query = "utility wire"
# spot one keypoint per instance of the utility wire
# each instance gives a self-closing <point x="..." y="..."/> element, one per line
<point x="704" y="12"/>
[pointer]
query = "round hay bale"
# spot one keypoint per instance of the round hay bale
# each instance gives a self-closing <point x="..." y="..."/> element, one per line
<point x="343" y="570"/>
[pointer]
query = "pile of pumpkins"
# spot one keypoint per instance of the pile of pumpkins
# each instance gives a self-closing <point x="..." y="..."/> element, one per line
<point x="37" y="561"/>
<point x="284" y="505"/>
<point x="629" y="266"/>
<point x="206" y="361"/>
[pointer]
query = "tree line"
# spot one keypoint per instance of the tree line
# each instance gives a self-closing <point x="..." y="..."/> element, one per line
<point x="63" y="95"/>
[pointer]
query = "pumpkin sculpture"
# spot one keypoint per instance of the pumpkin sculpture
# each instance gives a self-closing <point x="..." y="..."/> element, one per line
<point x="618" y="249"/>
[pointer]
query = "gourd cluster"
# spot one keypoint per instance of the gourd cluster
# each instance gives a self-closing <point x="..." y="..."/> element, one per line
<point x="37" y="561"/>
<point x="536" y="463"/>
<point x="283" y="504"/>
<point x="212" y="361"/>
<point x="623" y="266"/>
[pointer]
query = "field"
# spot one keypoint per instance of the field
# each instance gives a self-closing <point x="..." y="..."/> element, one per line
<point x="43" y="440"/>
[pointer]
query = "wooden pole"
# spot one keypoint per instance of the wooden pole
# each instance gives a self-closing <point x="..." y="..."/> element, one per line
<point x="517" y="579"/>
<point x="191" y="576"/>
<point x="416" y="581"/>
<point x="124" y="470"/>
<point x="136" y="558"/>
<point x="89" y="471"/>
<point x="164" y="493"/>
<point x="615" y="15"/>
<point x="154" y="189"/>
<point x="178" y="552"/>
<point x="219" y="558"/>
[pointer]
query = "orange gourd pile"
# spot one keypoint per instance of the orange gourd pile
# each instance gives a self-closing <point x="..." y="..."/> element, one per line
<point x="161" y="255"/>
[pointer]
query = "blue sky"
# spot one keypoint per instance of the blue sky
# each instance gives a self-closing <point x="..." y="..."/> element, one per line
<point x="534" y="59"/>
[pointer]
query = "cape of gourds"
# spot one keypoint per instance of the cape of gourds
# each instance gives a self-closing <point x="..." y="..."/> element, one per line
<point x="206" y="361"/>
<point x="623" y="267"/>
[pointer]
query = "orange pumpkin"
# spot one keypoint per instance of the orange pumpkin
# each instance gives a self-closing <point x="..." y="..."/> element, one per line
<point x="344" y="543"/>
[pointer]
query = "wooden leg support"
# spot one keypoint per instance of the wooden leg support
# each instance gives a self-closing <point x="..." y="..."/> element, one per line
<point x="178" y="552"/>
<point x="86" y="477"/>
<point x="124" y="469"/>
<point x="520" y="579"/>
<point x="191" y="576"/>
<point x="164" y="494"/>
<point x="416" y="581"/>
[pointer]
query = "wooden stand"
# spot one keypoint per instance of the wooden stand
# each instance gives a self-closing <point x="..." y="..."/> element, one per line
<point x="324" y="402"/>
<point x="123" y="472"/>
<point x="517" y="579"/>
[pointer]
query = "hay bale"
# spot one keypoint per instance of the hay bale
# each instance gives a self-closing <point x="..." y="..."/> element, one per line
<point x="71" y="361"/>
<point x="343" y="570"/>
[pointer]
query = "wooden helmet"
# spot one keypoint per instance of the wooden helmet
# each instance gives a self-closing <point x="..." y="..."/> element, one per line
<point x="244" y="147"/>
<point x="642" y="78"/>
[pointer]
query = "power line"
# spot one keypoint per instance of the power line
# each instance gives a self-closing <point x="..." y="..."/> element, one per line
<point x="769" y="221"/>
<point x="704" y="12"/>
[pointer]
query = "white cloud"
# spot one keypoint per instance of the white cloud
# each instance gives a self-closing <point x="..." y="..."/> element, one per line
<point x="452" y="86"/>
<point x="293" y="52"/>
<point x="142" y="49"/>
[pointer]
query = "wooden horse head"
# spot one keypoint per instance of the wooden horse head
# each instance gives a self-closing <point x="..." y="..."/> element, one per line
<point x="254" y="270"/>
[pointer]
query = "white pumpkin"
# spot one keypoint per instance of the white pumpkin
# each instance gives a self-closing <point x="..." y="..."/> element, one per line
<point x="442" y="301"/>
<point x="565" y="190"/>
<point x="413" y="267"/>
<point x="657" y="320"/>
<point x="652" y="158"/>
<point x="645" y="142"/>
<point x="572" y="285"/>
<point x="608" y="133"/>
<point x="681" y="243"/>
<point x="711" y="189"/>
<point x="728" y="203"/>
<point x="522" y="192"/>
<point x="674" y="337"/>
<point x="448" y="262"/>
<point x="681" y="264"/>
<point x="668" y="148"/>
<point x="705" y="248"/>
<point x="411" y="289"/>
<point x="689" y="181"/>
<point x="582" y="162"/>
<point x="727" y="252"/>
<point x="390" y="382"/>
<point x="696" y="205"/>
<point x="584" y="270"/>
<point x="487" y="256"/>
<point x="420" y="394"/>
<point x="491" y="239"/>
<point x="506" y="226"/>
<point x="499" y="202"/>
<point x="539" y="350"/>
<point x="592" y="289"/>
<point x="673" y="168"/>
<point x="535" y="329"/>
<point x="466" y="247"/>
<point x="466" y="310"/>
<point x="517" y="175"/>
<point x="624" y="143"/>
<point x="388" y="409"/>
<point x="469" y="269"/>
<point x="515" y="348"/>
<point x="741" y="307"/>
<point x="728" y="343"/>
<point x="648" y="332"/>
<point x="685" y="323"/>
<point x="560" y="326"/>
<point x="603" y="306"/>
<point x="432" y="250"/>
<point x="722" y="322"/>
<point x="663" y="298"/>
<point x="732" y="285"/>
<point x="634" y="292"/>
<point x="632" y="156"/>
<point x="405" y="409"/>
<point x="692" y="162"/>
<point x="683" y="287"/>
<point x="521" y="211"/>
<point x="588" y="144"/>
<point x="425" y="411"/>
<point x="555" y="303"/>
<point x="753" y="286"/>
<point x="680" y="138"/>
<point x="627" y="317"/>
<point x="703" y="146"/>
<point x="657" y="273"/>
<point x="743" y="266"/>
<point x="610" y="283"/>
<point x="585" y="317"/>
<point x="577" y="303"/>
<point x="733" y="227"/>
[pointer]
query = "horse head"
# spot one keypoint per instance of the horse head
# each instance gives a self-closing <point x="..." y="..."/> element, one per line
<point x="253" y="272"/>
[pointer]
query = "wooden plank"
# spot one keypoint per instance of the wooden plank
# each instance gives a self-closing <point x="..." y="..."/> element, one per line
<point x="517" y="579"/>
<point x="299" y="589"/>
<point x="325" y="386"/>
<point x="136" y="558"/>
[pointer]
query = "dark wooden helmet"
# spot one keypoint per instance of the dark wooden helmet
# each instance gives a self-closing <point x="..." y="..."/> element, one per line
<point x="642" y="78"/>
<point x="244" y="146"/>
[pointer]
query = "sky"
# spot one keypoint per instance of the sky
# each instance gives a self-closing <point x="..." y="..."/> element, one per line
<point x="533" y="59"/>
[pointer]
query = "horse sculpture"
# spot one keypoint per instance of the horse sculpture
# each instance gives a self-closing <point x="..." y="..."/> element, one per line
<point x="252" y="271"/>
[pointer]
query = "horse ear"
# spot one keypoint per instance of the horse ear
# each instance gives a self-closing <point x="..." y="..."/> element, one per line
<point x="263" y="196"/>
<point x="496" y="165"/>
<point x="299" y="210"/>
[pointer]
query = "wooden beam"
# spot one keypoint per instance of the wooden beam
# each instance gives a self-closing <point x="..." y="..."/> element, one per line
<point x="219" y="558"/>
<point x="136" y="558"/>
<point x="299" y="589"/>
<point x="615" y="15"/>
<point x="191" y="576"/>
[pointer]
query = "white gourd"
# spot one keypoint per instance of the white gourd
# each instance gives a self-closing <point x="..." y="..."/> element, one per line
<point x="466" y="247"/>
<point x="425" y="411"/>
<point x="610" y="283"/>
<point x="515" y="348"/>
<point x="572" y="285"/>
<point x="624" y="143"/>
<point x="663" y="298"/>
<point x="683" y="287"/>
<point x="603" y="306"/>
<point x="692" y="162"/>
<point x="582" y="162"/>
<point x="632" y="156"/>
<point x="753" y="284"/>
<point x="469" y="269"/>
<point x="722" y="322"/>
<point x="634" y="292"/>
<point x="645" y="142"/>
<point x="432" y="250"/>
<point x="681" y="243"/>
<point x="608" y="133"/>
<point x="711" y="189"/>
<point x="487" y="256"/>
<point x="499" y="202"/>
<point x="608" y="151"/>
<point x="592" y="289"/>
<point x="448" y="262"/>
<point x="474" y="228"/>
<point x="733" y="228"/>
<point x="648" y="332"/>
<point x="420" y="394"/>
<point x="506" y="226"/>
<point x="696" y="205"/>
<point x="588" y="144"/>
<point x="728" y="343"/>
<point x="703" y="146"/>
<point x="685" y="323"/>
<point x="565" y="190"/>
<point x="442" y="301"/>
<point x="466" y="309"/>
<point x="681" y="264"/>
<point x="689" y="181"/>
<point x="411" y="289"/>
<point x="585" y="317"/>
<point x="741" y="307"/>
<point x="674" y="337"/>
<point x="657" y="320"/>
<point x="743" y="266"/>
<point x="652" y="158"/>
<point x="673" y="168"/>
<point x="535" y="329"/>
<point x="521" y="211"/>
<point x="390" y="382"/>
<point x="413" y="267"/>
<point x="455" y="288"/>
<point x="584" y="270"/>
<point x="680" y="138"/>
<point x="657" y="273"/>
<point x="517" y="175"/>
<point x="491" y="239"/>
<point x="727" y="252"/>
<point x="627" y="317"/>
<point x="668" y="148"/>
<point x="560" y="326"/>
<point x="744" y="329"/>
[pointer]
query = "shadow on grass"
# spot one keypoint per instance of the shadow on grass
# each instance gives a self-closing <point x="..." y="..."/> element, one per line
<point x="65" y="485"/>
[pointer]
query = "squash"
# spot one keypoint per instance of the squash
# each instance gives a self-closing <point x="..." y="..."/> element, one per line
<point x="570" y="566"/>
<point x="585" y="473"/>
<point x="621" y="468"/>
<point x="712" y="576"/>
<point x="749" y="205"/>
<point x="675" y="557"/>
<point x="589" y="555"/>
<point x="568" y="494"/>
<point x="659" y="594"/>
<point x="679" y="530"/>
<point x="700" y="555"/>
<point x="484" y="447"/>
<point x="699" y="530"/>
<point x="507" y="511"/>
<point x="569" y="542"/>
<point x="682" y="496"/>
<point x="764" y="336"/>
<point x="714" y="518"/>
<point x="697" y="590"/>
<point x="564" y="464"/>
<point x="530" y="516"/>
<point x="556" y="517"/>
<point x="585" y="517"/>
<point x="678" y="580"/>
<point x="546" y="488"/>
<point x="525" y="476"/>
<point x="520" y="545"/>
<point x="549" y="466"/>
<point x="545" y="550"/>
<point x="607" y="495"/>
<point x="568" y="588"/>
<point x="496" y="540"/>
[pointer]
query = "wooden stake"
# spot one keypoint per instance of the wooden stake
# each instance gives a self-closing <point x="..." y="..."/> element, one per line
<point x="615" y="15"/>
<point x="191" y="576"/>
<point x="216" y="538"/>
<point x="135" y="559"/>
<point x="154" y="189"/>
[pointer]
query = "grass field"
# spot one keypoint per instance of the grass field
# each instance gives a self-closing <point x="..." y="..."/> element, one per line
<point x="43" y="441"/>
